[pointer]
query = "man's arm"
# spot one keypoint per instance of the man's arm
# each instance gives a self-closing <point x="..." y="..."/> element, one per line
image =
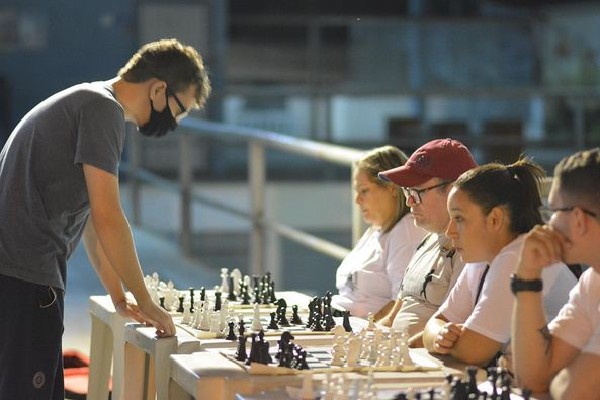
<point x="384" y="311"/>
<point x="388" y="319"/>
<point x="116" y="241"/>
<point x="575" y="381"/>
<point x="537" y="356"/>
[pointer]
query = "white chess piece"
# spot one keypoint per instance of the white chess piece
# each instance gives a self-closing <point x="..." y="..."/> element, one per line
<point x="224" y="312"/>
<point x="237" y="277"/>
<point x="307" y="392"/>
<point x="353" y="351"/>
<point x="224" y="283"/>
<point x="371" y="321"/>
<point x="205" y="318"/>
<point x="256" y="323"/>
<point x="337" y="352"/>
<point x="187" y="315"/>
<point x="215" y="322"/>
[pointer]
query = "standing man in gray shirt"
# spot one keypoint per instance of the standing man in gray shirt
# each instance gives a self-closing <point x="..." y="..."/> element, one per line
<point x="59" y="183"/>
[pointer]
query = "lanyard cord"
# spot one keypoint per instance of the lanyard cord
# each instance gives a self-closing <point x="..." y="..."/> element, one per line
<point x="481" y="282"/>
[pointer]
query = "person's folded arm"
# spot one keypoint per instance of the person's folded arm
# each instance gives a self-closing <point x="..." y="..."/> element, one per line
<point x="474" y="348"/>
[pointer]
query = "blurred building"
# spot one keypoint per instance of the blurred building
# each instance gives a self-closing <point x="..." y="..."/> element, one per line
<point x="506" y="77"/>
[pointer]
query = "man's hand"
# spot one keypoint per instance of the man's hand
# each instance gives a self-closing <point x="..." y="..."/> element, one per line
<point x="543" y="246"/>
<point x="385" y="321"/>
<point x="149" y="314"/>
<point x="447" y="337"/>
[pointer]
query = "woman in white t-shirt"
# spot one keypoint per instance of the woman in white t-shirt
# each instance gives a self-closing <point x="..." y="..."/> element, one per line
<point x="491" y="207"/>
<point x="368" y="279"/>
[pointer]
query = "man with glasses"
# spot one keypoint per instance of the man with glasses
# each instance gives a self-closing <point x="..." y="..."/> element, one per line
<point x="426" y="179"/>
<point x="563" y="356"/>
<point x="59" y="183"/>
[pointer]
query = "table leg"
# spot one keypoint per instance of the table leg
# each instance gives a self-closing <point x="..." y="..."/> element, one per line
<point x="100" y="360"/>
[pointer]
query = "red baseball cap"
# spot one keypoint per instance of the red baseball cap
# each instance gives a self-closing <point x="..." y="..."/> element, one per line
<point x="446" y="159"/>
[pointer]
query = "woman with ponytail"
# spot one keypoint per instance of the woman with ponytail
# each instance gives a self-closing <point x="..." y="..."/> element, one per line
<point x="491" y="207"/>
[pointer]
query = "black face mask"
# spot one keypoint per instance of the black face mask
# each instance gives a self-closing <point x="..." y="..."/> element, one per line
<point x="160" y="123"/>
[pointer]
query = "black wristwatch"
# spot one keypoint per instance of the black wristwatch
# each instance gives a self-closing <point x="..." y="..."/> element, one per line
<point x="525" y="285"/>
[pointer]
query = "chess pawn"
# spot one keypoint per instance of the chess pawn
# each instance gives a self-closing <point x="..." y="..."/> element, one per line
<point x="215" y="323"/>
<point x="256" y="323"/>
<point x="187" y="315"/>
<point x="205" y="319"/>
<point x="337" y="352"/>
<point x="296" y="320"/>
<point x="353" y="351"/>
<point x="273" y="322"/>
<point x="371" y="321"/>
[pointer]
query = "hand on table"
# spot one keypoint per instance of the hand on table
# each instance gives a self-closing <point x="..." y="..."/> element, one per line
<point x="149" y="314"/>
<point x="447" y="337"/>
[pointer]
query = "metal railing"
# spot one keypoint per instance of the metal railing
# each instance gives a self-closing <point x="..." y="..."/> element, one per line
<point x="258" y="141"/>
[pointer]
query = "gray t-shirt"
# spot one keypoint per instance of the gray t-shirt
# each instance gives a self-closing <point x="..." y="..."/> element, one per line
<point x="43" y="197"/>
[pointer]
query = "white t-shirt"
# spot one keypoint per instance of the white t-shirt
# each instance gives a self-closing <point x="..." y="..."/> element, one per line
<point x="429" y="277"/>
<point x="370" y="275"/>
<point x="491" y="314"/>
<point x="578" y="323"/>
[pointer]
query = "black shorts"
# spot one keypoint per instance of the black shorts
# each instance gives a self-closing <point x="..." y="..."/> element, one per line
<point x="31" y="363"/>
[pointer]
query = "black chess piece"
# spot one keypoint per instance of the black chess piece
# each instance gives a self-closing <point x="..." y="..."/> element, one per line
<point x="431" y="394"/>
<point x="241" y="326"/>
<point x="280" y="313"/>
<point x="311" y="313"/>
<point x="286" y="357"/>
<point x="244" y="294"/>
<point x="257" y="299"/>
<point x="472" y="381"/>
<point x="231" y="296"/>
<point x="401" y="396"/>
<point x="273" y="322"/>
<point x="302" y="361"/>
<point x="161" y="301"/>
<point x="346" y="321"/>
<point x="254" y="350"/>
<point x="458" y="390"/>
<point x="218" y="302"/>
<point x="231" y="333"/>
<point x="202" y="294"/>
<point x="264" y="357"/>
<point x="493" y="379"/>
<point x="272" y="297"/>
<point x="317" y="327"/>
<point x="328" y="323"/>
<point x="526" y="394"/>
<point x="240" y="354"/>
<point x="256" y="281"/>
<point x="191" y="299"/>
<point x="296" y="320"/>
<point x="180" y="308"/>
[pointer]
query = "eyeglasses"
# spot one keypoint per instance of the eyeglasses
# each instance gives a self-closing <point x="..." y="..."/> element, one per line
<point x="415" y="194"/>
<point x="547" y="212"/>
<point x="183" y="112"/>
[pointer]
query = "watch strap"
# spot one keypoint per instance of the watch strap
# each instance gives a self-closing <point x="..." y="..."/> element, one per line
<point x="525" y="285"/>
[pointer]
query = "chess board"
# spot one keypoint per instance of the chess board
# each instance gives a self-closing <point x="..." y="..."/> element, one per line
<point x="319" y="359"/>
<point x="265" y="320"/>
